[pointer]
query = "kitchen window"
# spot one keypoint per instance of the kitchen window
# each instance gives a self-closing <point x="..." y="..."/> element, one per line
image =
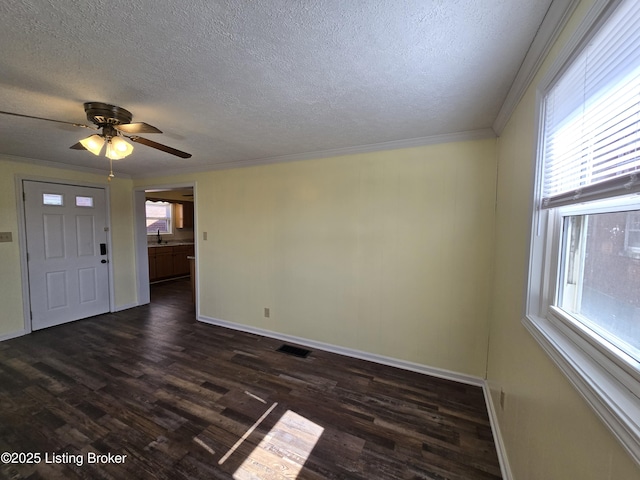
<point x="159" y="217"/>
<point x="583" y="303"/>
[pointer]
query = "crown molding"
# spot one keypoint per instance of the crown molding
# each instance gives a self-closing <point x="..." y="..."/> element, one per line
<point x="556" y="18"/>
<point x="58" y="165"/>
<point x="469" y="135"/>
<point x="594" y="18"/>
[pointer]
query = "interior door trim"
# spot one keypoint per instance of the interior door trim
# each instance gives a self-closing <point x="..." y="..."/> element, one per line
<point x="140" y="234"/>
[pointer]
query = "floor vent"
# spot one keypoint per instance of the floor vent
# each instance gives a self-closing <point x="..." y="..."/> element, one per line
<point x="295" y="351"/>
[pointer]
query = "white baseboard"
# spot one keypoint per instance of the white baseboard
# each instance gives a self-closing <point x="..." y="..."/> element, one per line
<point x="19" y="333"/>
<point x="392" y="362"/>
<point x="372" y="357"/>
<point x="505" y="468"/>
<point x="9" y="336"/>
<point x="349" y="352"/>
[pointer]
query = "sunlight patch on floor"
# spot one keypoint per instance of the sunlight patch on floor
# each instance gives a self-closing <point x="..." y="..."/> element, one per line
<point x="247" y="433"/>
<point x="283" y="451"/>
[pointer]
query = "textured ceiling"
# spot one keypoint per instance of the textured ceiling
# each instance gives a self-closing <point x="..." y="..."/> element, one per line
<point x="239" y="81"/>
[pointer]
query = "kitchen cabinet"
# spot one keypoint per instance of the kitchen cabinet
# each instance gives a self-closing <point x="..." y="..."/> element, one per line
<point x="153" y="272"/>
<point x="192" y="274"/>
<point x="180" y="260"/>
<point x="164" y="262"/>
<point x="169" y="261"/>
<point x="184" y="215"/>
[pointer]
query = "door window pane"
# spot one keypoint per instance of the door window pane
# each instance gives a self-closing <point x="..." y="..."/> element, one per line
<point x="84" y="201"/>
<point x="52" y="199"/>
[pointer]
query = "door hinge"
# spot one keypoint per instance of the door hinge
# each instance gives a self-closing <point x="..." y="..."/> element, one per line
<point x="24" y="197"/>
<point x="27" y="256"/>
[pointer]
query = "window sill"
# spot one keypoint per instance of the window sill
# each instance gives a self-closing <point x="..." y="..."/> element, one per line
<point x="606" y="387"/>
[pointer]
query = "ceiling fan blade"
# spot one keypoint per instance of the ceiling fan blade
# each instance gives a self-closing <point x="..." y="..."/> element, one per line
<point x="159" y="146"/>
<point x="47" y="119"/>
<point x="77" y="146"/>
<point x="138" y="127"/>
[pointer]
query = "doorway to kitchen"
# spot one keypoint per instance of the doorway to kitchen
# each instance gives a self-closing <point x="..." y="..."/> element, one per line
<point x="165" y="242"/>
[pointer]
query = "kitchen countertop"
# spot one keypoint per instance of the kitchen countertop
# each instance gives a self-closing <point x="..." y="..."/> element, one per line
<point x="169" y="244"/>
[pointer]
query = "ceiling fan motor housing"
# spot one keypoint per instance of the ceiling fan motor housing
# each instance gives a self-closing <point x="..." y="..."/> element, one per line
<point x="103" y="114"/>
<point x="114" y="122"/>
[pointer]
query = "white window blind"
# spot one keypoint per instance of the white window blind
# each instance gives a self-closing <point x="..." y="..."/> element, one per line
<point x="592" y="118"/>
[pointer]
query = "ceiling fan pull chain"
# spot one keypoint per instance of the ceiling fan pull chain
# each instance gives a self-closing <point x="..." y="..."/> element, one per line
<point x="111" y="175"/>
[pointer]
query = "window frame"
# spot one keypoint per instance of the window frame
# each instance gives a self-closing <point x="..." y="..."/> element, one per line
<point x="170" y="219"/>
<point x="615" y="354"/>
<point x="632" y="250"/>
<point x="607" y="378"/>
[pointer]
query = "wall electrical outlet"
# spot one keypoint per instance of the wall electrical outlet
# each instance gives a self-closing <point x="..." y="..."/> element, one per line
<point x="6" y="237"/>
<point x="267" y="312"/>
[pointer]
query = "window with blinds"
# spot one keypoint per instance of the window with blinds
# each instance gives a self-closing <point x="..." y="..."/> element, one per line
<point x="583" y="298"/>
<point x="592" y="154"/>
<point x="592" y="118"/>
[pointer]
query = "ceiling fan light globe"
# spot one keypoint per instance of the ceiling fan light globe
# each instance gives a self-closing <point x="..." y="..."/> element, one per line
<point x="122" y="145"/>
<point x="94" y="144"/>
<point x="117" y="148"/>
<point x="112" y="153"/>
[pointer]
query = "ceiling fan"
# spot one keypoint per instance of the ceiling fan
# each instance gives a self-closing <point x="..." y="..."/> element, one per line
<point x="113" y="123"/>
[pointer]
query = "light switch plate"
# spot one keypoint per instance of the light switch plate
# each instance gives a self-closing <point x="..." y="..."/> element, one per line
<point x="6" y="237"/>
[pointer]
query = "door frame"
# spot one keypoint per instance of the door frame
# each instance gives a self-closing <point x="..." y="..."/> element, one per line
<point x="140" y="236"/>
<point x="22" y="238"/>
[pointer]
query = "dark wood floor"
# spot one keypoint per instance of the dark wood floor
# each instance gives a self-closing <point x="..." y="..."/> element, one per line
<point x="185" y="400"/>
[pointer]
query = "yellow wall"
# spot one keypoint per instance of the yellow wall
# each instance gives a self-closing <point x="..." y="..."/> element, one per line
<point x="550" y="432"/>
<point x="389" y="252"/>
<point x="11" y="310"/>
<point x="386" y="252"/>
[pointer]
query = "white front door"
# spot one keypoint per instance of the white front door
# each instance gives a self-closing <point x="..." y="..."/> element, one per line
<point x="66" y="230"/>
